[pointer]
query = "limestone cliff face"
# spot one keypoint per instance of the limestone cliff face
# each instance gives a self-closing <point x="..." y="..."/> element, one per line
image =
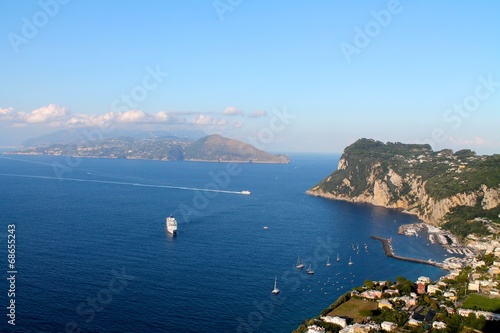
<point x="399" y="177"/>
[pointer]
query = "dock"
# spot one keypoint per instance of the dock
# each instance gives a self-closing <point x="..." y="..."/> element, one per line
<point x="389" y="252"/>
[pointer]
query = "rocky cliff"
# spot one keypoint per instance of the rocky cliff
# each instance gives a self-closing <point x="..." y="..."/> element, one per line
<point x="414" y="178"/>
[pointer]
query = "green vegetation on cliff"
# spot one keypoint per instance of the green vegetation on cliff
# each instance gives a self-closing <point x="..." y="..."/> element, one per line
<point x="445" y="173"/>
<point x="416" y="178"/>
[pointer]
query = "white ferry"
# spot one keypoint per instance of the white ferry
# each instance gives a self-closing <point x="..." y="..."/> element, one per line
<point x="171" y="225"/>
<point x="246" y="192"/>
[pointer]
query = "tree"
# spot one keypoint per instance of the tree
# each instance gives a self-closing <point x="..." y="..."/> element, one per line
<point x="369" y="284"/>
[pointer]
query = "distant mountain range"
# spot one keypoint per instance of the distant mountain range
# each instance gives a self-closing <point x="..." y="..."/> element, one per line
<point x="82" y="135"/>
<point x="163" y="146"/>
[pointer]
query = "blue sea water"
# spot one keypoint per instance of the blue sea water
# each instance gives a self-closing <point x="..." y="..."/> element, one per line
<point x="93" y="255"/>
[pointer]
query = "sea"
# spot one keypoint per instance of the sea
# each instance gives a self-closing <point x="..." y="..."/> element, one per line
<point x="92" y="253"/>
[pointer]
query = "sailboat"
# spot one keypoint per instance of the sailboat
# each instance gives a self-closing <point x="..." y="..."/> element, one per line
<point x="338" y="258"/>
<point x="299" y="263"/>
<point x="350" y="261"/>
<point x="328" y="262"/>
<point x="309" y="270"/>
<point x="275" y="290"/>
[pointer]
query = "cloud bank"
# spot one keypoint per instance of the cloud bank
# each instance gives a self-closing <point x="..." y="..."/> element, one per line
<point x="53" y="115"/>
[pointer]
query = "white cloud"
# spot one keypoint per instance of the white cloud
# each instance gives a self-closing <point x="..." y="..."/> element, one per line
<point x="131" y="116"/>
<point x="5" y="113"/>
<point x="232" y="111"/>
<point x="45" y="114"/>
<point x="206" y="120"/>
<point x="162" y="116"/>
<point x="258" y="114"/>
<point x="58" y="116"/>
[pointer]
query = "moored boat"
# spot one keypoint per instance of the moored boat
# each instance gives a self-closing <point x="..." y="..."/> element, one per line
<point x="299" y="263"/>
<point x="275" y="290"/>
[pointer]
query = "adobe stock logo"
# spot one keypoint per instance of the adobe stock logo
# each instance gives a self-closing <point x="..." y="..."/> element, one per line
<point x="455" y="115"/>
<point x="223" y="6"/>
<point x="30" y="27"/>
<point x="372" y="28"/>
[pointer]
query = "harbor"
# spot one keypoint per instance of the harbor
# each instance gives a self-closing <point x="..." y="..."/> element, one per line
<point x="437" y="235"/>
<point x="389" y="252"/>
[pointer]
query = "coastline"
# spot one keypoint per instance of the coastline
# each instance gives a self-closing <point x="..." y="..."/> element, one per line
<point x="449" y="241"/>
<point x="148" y="159"/>
<point x="327" y="195"/>
<point x="329" y="320"/>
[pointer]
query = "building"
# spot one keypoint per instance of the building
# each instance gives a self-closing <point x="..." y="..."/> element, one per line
<point x="371" y="294"/>
<point x="438" y="325"/>
<point x="409" y="301"/>
<point x="315" y="329"/>
<point x="391" y="292"/>
<point x="424" y="279"/>
<point x="450" y="295"/>
<point x="414" y="322"/>
<point x="360" y="328"/>
<point x="388" y="326"/>
<point x="421" y="288"/>
<point x="474" y="286"/>
<point x="477" y="263"/>
<point x="384" y="303"/>
<point x="487" y="315"/>
<point x="342" y="322"/>
<point x="432" y="288"/>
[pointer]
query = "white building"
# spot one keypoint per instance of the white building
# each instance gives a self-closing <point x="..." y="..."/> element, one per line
<point x="438" y="325"/>
<point x="388" y="326"/>
<point x="477" y="263"/>
<point x="409" y="301"/>
<point x="357" y="328"/>
<point x="315" y="329"/>
<point x="424" y="279"/>
<point x="414" y="322"/>
<point x="432" y="288"/>
<point x="487" y="315"/>
<point x="342" y="322"/>
<point x="474" y="285"/>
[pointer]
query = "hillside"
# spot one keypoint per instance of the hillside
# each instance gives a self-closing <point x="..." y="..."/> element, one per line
<point x="218" y="148"/>
<point x="212" y="148"/>
<point x="434" y="185"/>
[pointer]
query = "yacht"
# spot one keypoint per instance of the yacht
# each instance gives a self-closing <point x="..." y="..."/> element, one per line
<point x="328" y="262"/>
<point x="171" y="225"/>
<point x="309" y="270"/>
<point x="299" y="263"/>
<point x="275" y="290"/>
<point x="350" y="261"/>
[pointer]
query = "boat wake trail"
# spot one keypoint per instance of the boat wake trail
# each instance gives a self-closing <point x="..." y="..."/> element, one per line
<point x="125" y="183"/>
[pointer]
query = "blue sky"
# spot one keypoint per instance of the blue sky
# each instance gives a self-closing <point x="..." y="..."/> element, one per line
<point x="285" y="75"/>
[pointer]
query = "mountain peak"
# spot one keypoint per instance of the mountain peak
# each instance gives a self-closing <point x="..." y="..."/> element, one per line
<point x="217" y="148"/>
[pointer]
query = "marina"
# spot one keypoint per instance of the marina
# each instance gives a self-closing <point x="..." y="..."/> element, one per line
<point x="436" y="235"/>
<point x="389" y="252"/>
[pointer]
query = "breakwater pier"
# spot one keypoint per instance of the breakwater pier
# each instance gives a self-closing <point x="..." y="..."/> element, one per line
<point x="389" y="252"/>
